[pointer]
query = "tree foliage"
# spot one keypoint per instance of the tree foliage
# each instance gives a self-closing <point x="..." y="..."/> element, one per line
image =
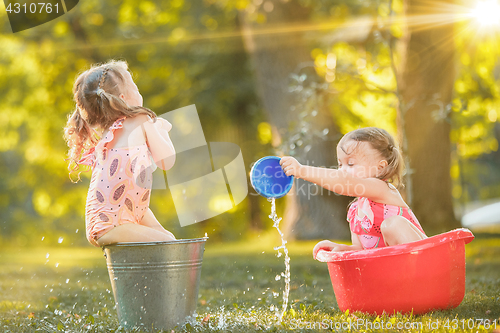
<point x="176" y="61"/>
<point x="475" y="131"/>
<point x="191" y="52"/>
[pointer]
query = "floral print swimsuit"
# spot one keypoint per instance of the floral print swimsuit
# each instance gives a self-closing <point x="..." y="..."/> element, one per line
<point x="120" y="186"/>
<point x="365" y="217"/>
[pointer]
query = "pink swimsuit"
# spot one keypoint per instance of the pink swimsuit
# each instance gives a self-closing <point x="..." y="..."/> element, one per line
<point x="120" y="185"/>
<point x="368" y="227"/>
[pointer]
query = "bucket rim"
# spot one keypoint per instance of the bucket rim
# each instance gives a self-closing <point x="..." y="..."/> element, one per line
<point x="454" y="235"/>
<point x="174" y="242"/>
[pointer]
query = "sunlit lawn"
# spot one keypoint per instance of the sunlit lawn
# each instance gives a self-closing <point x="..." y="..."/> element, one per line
<point x="68" y="289"/>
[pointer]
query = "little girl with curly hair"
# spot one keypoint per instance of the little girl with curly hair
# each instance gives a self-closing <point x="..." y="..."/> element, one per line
<point x="117" y="208"/>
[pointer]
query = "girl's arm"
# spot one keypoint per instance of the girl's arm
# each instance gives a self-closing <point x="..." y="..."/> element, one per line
<point x="159" y="143"/>
<point x="331" y="246"/>
<point x="335" y="180"/>
<point x="163" y="127"/>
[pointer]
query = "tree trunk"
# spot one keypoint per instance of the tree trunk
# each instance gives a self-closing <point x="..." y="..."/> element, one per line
<point x="309" y="214"/>
<point x="317" y="212"/>
<point x="426" y="88"/>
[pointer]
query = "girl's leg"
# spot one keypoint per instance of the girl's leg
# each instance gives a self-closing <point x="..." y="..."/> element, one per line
<point x="150" y="220"/>
<point x="398" y="230"/>
<point x="132" y="232"/>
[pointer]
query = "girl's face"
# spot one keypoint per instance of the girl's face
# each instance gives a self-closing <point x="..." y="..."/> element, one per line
<point x="131" y="93"/>
<point x="359" y="159"/>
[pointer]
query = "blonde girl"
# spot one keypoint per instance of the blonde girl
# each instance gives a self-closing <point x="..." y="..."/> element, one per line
<point x="369" y="164"/>
<point x="116" y="136"/>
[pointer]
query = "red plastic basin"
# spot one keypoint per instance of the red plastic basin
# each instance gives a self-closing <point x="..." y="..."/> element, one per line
<point x="413" y="277"/>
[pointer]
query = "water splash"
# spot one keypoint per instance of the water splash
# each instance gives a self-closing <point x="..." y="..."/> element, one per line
<point x="286" y="275"/>
<point x="222" y="319"/>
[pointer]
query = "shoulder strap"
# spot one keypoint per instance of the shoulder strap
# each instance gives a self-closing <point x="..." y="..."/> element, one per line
<point x="110" y="135"/>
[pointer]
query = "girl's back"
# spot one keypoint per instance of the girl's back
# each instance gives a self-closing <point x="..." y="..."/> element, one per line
<point x="121" y="179"/>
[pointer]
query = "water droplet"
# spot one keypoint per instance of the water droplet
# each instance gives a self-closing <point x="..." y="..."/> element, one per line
<point x="43" y="238"/>
<point x="314" y="113"/>
<point x="57" y="264"/>
<point x="67" y="280"/>
<point x="60" y="240"/>
<point x="325" y="131"/>
<point x="47" y="255"/>
<point x="76" y="231"/>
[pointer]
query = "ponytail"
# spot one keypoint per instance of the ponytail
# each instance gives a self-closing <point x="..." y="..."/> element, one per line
<point x="98" y="105"/>
<point x="112" y="104"/>
<point x="384" y="143"/>
<point x="393" y="173"/>
<point x="79" y="136"/>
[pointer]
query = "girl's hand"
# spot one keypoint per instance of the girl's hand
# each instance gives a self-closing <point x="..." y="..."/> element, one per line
<point x="159" y="142"/>
<point x="163" y="124"/>
<point x="329" y="246"/>
<point x="290" y="166"/>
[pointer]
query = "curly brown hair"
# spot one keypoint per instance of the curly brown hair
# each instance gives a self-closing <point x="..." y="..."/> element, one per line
<point x="98" y="105"/>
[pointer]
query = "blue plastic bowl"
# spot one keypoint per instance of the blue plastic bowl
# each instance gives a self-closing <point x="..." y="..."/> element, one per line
<point x="268" y="178"/>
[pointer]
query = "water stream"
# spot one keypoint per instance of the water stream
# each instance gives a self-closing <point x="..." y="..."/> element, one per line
<point x="286" y="274"/>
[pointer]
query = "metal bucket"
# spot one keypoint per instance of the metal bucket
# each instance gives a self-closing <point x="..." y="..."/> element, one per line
<point x="155" y="284"/>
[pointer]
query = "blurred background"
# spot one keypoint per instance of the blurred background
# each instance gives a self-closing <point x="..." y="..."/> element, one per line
<point x="275" y="77"/>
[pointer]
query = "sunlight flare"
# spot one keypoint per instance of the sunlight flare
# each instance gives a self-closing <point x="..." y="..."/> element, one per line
<point x="487" y="13"/>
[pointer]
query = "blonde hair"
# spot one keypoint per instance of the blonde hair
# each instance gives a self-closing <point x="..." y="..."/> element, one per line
<point x="380" y="140"/>
<point x="98" y="104"/>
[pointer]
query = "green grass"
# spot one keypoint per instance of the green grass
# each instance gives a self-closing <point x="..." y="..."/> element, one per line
<point x="69" y="291"/>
